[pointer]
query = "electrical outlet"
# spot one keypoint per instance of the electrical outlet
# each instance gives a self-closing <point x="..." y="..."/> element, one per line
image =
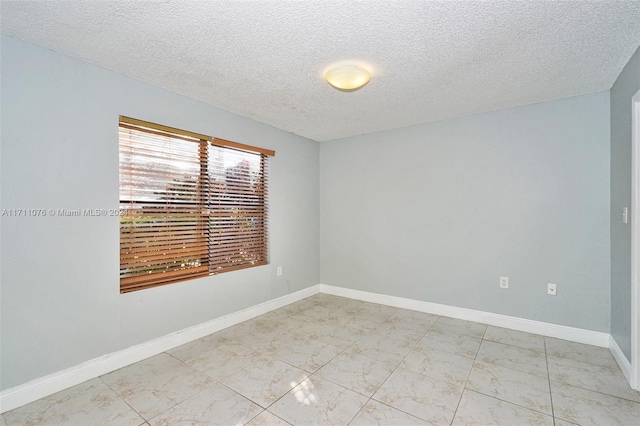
<point x="551" y="289"/>
<point x="279" y="271"/>
<point x="504" y="282"/>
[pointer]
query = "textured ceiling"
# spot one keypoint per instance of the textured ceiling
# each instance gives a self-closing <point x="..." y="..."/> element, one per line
<point x="429" y="60"/>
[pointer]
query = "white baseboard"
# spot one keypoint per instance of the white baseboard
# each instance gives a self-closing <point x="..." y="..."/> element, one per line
<point x="530" y="326"/>
<point x="31" y="391"/>
<point x="622" y="360"/>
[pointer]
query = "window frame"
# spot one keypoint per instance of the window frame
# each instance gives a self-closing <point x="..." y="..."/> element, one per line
<point x="169" y="223"/>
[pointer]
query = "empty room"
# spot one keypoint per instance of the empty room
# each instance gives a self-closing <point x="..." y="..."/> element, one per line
<point x="319" y="212"/>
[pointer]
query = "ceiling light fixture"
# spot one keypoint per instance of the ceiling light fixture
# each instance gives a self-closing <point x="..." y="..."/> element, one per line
<point x="347" y="77"/>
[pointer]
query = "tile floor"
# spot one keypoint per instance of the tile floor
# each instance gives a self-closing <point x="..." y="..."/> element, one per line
<point x="328" y="360"/>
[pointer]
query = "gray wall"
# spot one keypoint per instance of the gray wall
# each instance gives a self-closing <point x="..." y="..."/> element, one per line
<point x="59" y="280"/>
<point x="627" y="84"/>
<point x="438" y="212"/>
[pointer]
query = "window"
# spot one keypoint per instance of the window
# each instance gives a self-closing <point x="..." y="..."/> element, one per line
<point x="190" y="205"/>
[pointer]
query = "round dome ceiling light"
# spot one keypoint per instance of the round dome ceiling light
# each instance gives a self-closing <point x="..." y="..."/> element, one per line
<point x="347" y="78"/>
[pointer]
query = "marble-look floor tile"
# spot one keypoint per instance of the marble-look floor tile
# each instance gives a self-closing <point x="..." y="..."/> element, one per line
<point x="308" y="355"/>
<point x="234" y="332"/>
<point x="458" y="344"/>
<point x="291" y="309"/>
<point x="417" y="322"/>
<point x="266" y="380"/>
<point x="339" y="317"/>
<point x="375" y="309"/>
<point x="458" y="326"/>
<point x="512" y="386"/>
<point x="397" y="334"/>
<point x="478" y="409"/>
<point x="205" y="344"/>
<point x="303" y="304"/>
<point x="439" y="365"/>
<point x="274" y="316"/>
<point x="264" y="344"/>
<point x="263" y="340"/>
<point x="609" y="380"/>
<point x="379" y="317"/>
<point x="358" y="321"/>
<point x="221" y="362"/>
<point x="341" y="337"/>
<point x="255" y="340"/>
<point x="350" y="305"/>
<point x="388" y="337"/>
<point x="54" y="405"/>
<point x="267" y="419"/>
<point x="282" y="327"/>
<point x="513" y="357"/>
<point x="560" y="422"/>
<point x="380" y="349"/>
<point x="345" y="302"/>
<point x="304" y="325"/>
<point x="534" y="342"/>
<point x="302" y="318"/>
<point x="257" y="361"/>
<point x="319" y="311"/>
<point x="377" y="413"/>
<point x="356" y="372"/>
<point x="215" y="405"/>
<point x="318" y="402"/>
<point x="88" y="403"/>
<point x="579" y="352"/>
<point x="390" y="310"/>
<point x="88" y="416"/>
<point x="156" y="384"/>
<point x="421" y="396"/>
<point x="586" y="407"/>
<point x="266" y="325"/>
<point x="286" y="339"/>
<point x="406" y="315"/>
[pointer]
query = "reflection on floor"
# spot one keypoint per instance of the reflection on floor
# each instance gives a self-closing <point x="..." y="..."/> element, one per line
<point x="328" y="360"/>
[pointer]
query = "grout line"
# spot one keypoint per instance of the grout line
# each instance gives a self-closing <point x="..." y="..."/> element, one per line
<point x="358" y="412"/>
<point x="546" y="360"/>
<point x="510" y="402"/>
<point x="596" y="391"/>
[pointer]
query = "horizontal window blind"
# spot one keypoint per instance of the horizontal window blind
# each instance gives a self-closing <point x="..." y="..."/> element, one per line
<point x="238" y="205"/>
<point x="189" y="207"/>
